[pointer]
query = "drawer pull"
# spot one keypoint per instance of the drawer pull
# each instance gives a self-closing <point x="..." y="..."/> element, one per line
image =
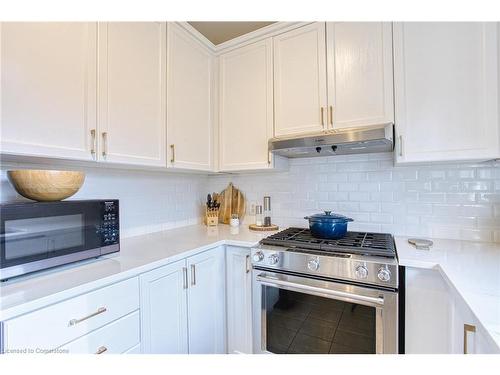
<point x="101" y="350"/>
<point x="73" y="322"/>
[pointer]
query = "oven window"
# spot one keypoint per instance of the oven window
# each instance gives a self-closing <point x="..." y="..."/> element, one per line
<point x="307" y="324"/>
<point x="43" y="235"/>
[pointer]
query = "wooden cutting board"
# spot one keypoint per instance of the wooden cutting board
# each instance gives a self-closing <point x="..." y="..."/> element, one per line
<point x="232" y="201"/>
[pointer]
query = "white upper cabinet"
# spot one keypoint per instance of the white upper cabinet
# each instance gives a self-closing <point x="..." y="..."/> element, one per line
<point x="190" y="82"/>
<point x="446" y="91"/>
<point x="48" y="88"/>
<point x="300" y="99"/>
<point x="132" y="93"/>
<point x="246" y="107"/>
<point x="360" y="82"/>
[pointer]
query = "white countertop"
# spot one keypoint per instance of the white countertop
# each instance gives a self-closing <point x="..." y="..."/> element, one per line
<point x="137" y="255"/>
<point x="471" y="268"/>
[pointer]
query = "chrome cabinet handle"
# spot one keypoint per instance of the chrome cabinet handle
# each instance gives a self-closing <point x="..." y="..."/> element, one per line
<point x="172" y="147"/>
<point x="330" y="115"/>
<point x="93" y="139"/>
<point x="101" y="350"/>
<point x="268" y="157"/>
<point x="193" y="274"/>
<point x="322" y="117"/>
<point x="400" y="145"/>
<point x="247" y="263"/>
<point x="184" y="277"/>
<point x="104" y="144"/>
<point x="467" y="328"/>
<point x="73" y="322"/>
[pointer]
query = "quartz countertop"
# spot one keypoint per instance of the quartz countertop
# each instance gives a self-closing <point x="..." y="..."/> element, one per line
<point x="471" y="268"/>
<point x="137" y="254"/>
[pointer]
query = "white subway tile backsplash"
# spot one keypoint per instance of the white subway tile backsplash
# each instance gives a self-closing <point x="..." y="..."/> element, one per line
<point x="149" y="201"/>
<point x="460" y="201"/>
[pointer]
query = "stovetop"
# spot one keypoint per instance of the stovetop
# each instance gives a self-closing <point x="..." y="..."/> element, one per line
<point x="360" y="243"/>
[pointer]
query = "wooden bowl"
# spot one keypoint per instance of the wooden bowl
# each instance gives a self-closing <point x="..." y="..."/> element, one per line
<point x="46" y="185"/>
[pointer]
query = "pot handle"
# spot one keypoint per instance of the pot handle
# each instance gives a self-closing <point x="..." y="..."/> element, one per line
<point x="306" y="217"/>
<point x="349" y="219"/>
<point x="328" y="213"/>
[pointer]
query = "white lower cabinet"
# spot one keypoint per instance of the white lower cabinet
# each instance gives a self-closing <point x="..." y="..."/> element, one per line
<point x="438" y="321"/>
<point x="164" y="310"/>
<point x="56" y="325"/>
<point x="239" y="300"/>
<point x="183" y="306"/>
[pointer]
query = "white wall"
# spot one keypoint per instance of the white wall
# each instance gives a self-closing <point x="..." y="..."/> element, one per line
<point x="458" y="201"/>
<point x="149" y="201"/>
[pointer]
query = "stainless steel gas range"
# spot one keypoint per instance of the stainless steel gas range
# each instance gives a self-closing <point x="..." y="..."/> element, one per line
<point x="326" y="296"/>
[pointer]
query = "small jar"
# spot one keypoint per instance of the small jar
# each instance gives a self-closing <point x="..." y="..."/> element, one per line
<point x="259" y="218"/>
<point x="235" y="221"/>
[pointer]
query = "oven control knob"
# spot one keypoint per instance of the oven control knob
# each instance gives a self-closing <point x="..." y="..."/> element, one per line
<point x="384" y="274"/>
<point x="273" y="259"/>
<point x="361" y="272"/>
<point x="258" y="256"/>
<point x="313" y="264"/>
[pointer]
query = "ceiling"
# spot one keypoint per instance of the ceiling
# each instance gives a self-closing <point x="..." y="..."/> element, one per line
<point x="220" y="32"/>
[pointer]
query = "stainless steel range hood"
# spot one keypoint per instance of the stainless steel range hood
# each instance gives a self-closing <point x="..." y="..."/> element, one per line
<point x="352" y="141"/>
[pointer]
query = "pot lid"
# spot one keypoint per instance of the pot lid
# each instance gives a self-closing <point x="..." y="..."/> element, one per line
<point x="329" y="216"/>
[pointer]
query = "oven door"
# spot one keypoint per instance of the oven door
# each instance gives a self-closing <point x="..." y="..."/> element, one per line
<point x="36" y="236"/>
<point x="300" y="315"/>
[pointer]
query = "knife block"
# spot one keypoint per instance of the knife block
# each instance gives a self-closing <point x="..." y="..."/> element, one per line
<point x="212" y="217"/>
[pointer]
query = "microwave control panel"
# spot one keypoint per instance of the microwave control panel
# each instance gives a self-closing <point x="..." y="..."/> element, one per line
<point x="110" y="223"/>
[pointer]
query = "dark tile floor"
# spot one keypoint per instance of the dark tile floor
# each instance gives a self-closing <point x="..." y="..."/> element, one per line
<point x="301" y="323"/>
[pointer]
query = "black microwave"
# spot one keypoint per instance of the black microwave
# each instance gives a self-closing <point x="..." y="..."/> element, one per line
<point x="40" y="235"/>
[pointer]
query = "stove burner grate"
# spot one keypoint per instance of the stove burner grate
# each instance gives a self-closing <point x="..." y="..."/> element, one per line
<point x="374" y="244"/>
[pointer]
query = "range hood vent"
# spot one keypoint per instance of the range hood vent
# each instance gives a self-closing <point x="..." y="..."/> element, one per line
<point x="345" y="142"/>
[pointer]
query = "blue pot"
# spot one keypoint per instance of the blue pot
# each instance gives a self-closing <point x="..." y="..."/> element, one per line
<point x="328" y="226"/>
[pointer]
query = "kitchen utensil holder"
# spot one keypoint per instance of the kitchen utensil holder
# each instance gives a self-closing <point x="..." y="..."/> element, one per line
<point x="212" y="217"/>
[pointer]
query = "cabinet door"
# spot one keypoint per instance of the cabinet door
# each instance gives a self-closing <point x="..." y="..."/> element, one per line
<point x="206" y="301"/>
<point x="300" y="80"/>
<point x="428" y="312"/>
<point x="48" y="88"/>
<point x="189" y="101"/>
<point x="468" y="335"/>
<point x="132" y="92"/>
<point x="360" y="84"/>
<point x="164" y="310"/>
<point x="246" y="107"/>
<point x="446" y="91"/>
<point x="239" y="300"/>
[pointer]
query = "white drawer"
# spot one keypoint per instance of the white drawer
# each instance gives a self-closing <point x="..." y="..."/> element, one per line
<point x="117" y="337"/>
<point x="56" y="325"/>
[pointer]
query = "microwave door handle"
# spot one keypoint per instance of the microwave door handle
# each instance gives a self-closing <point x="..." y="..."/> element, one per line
<point x="308" y="288"/>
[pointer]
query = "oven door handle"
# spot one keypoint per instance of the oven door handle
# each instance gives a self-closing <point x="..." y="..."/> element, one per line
<point x="269" y="281"/>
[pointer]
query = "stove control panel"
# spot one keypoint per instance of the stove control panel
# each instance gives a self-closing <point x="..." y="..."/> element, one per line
<point x="362" y="269"/>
